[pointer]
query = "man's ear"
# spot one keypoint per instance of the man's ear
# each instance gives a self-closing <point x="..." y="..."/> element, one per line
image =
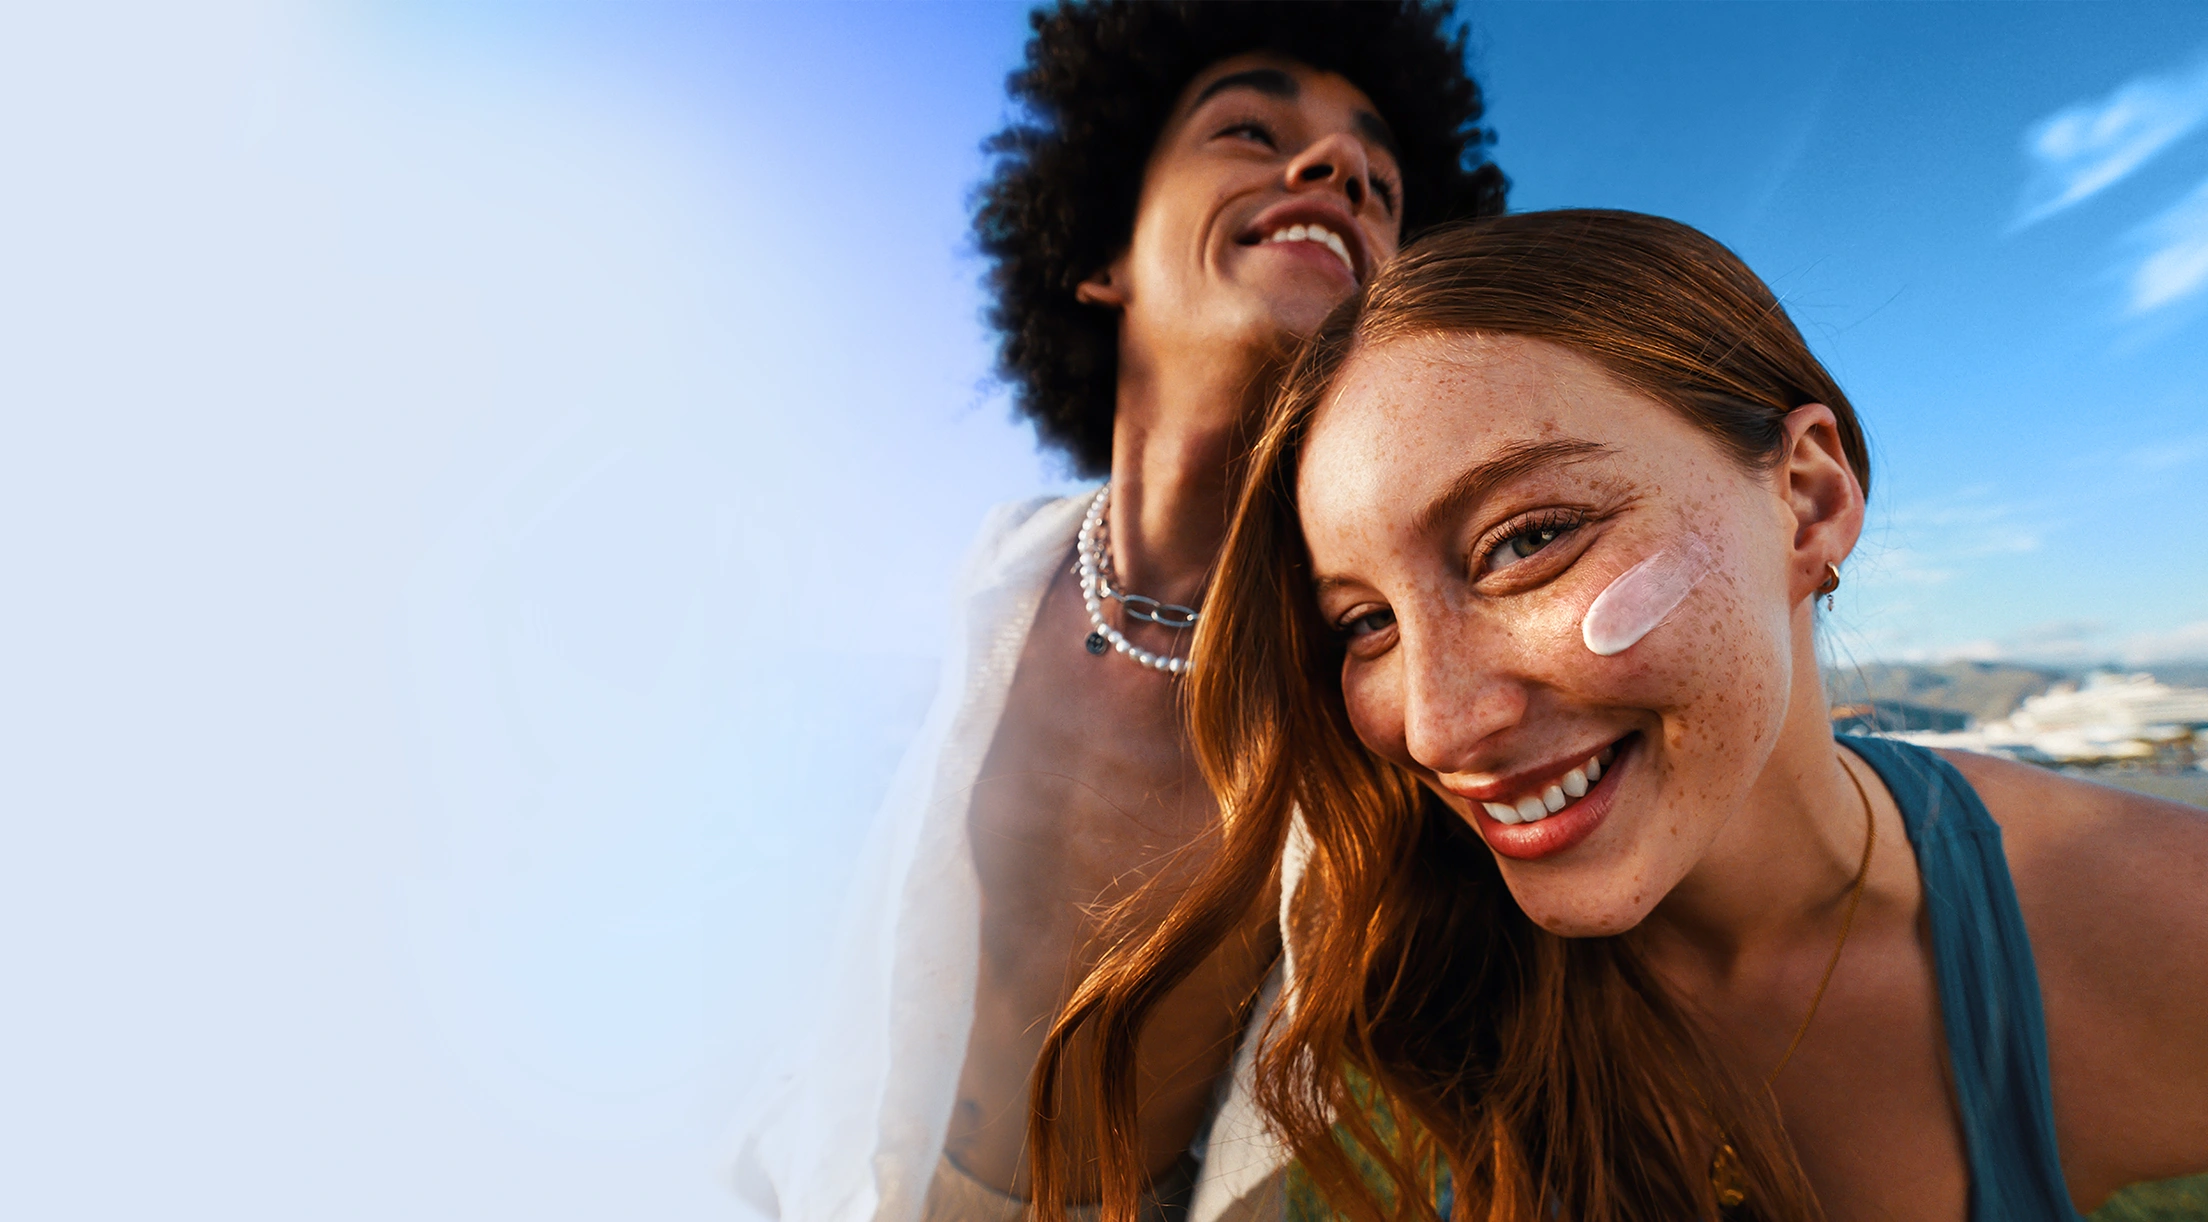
<point x="1823" y="493"/>
<point x="1108" y="287"/>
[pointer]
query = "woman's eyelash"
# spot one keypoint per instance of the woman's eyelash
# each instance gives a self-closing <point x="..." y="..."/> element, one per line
<point x="1346" y="629"/>
<point x="1559" y="521"/>
<point x="1385" y="190"/>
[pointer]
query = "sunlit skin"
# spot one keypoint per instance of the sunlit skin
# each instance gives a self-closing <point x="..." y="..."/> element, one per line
<point x="1205" y="310"/>
<point x="1466" y="498"/>
<point x="1089" y="784"/>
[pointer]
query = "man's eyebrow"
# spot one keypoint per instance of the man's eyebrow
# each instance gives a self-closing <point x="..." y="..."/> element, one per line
<point x="1376" y="130"/>
<point x="1272" y="82"/>
<point x="1482" y="478"/>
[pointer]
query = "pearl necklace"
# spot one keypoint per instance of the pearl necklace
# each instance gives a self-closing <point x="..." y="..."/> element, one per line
<point x="1095" y="568"/>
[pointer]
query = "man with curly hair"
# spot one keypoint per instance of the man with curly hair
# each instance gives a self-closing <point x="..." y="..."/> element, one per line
<point x="1192" y="188"/>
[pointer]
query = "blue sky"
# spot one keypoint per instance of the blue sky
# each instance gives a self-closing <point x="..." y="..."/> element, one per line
<point x="488" y="478"/>
<point x="1988" y="221"/>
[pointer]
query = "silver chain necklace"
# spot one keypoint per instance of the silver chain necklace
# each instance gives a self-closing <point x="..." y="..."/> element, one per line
<point x="1095" y="568"/>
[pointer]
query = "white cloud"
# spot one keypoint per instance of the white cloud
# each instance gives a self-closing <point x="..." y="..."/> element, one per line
<point x="2072" y="643"/>
<point x="1973" y="651"/>
<point x="2168" y="454"/>
<point x="1966" y="524"/>
<point x="2176" y="265"/>
<point x="2184" y="643"/>
<point x="2088" y="147"/>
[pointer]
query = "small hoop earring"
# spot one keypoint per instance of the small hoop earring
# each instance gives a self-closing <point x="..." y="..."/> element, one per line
<point x="1832" y="583"/>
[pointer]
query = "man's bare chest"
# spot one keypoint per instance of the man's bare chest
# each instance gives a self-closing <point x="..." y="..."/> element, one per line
<point x="1088" y="788"/>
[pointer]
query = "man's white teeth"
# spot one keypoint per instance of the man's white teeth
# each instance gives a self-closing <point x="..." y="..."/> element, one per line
<point x="1534" y="808"/>
<point x="1320" y="234"/>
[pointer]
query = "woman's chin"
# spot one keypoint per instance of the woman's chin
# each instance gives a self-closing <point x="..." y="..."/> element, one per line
<point x="1582" y="915"/>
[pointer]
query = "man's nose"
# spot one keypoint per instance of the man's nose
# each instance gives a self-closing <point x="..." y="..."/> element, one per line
<point x="1336" y="161"/>
<point x="1453" y="704"/>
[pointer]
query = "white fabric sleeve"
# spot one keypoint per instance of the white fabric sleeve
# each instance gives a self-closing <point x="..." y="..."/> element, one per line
<point x="849" y="1127"/>
<point x="1245" y="1162"/>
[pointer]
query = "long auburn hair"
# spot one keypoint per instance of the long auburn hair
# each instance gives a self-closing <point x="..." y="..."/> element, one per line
<point x="1553" y="1077"/>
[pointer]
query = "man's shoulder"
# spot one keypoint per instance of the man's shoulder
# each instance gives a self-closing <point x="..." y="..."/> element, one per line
<point x="1018" y="534"/>
<point x="1010" y="517"/>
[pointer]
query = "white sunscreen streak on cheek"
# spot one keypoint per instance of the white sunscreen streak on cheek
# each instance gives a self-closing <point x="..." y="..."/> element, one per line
<point x="1643" y="596"/>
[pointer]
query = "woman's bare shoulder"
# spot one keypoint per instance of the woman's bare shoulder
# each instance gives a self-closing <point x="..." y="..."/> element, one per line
<point x="2114" y="890"/>
<point x="2062" y="830"/>
<point x="2096" y="858"/>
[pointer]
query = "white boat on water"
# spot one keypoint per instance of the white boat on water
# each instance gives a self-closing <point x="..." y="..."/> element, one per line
<point x="2107" y="719"/>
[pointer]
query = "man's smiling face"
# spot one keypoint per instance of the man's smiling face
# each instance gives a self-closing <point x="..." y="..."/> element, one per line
<point x="1271" y="195"/>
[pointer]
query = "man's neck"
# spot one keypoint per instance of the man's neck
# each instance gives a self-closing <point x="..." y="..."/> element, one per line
<point x="1175" y="439"/>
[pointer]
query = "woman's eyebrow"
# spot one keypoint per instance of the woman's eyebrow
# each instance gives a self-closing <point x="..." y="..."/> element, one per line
<point x="1483" y="477"/>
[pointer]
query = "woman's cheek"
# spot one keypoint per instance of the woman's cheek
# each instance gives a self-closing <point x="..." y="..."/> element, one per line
<point x="1373" y="694"/>
<point x="1735" y="668"/>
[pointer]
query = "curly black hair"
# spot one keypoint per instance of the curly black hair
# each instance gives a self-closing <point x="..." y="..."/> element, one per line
<point x="1098" y="86"/>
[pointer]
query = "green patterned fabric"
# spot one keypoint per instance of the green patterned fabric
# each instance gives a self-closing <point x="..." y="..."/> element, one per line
<point x="2181" y="1200"/>
<point x="1307" y="1204"/>
<point x="2178" y="1200"/>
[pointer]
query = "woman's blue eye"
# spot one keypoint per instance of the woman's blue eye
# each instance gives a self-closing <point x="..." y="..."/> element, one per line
<point x="1369" y="623"/>
<point x="1523" y="544"/>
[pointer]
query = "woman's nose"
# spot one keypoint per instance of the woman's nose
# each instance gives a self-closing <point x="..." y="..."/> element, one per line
<point x="1337" y="161"/>
<point x="1453" y="705"/>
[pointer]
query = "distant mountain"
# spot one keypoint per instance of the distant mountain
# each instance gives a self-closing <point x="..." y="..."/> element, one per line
<point x="2176" y="674"/>
<point x="1987" y="691"/>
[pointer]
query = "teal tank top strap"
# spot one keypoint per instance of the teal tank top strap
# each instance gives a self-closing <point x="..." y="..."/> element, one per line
<point x="1989" y="988"/>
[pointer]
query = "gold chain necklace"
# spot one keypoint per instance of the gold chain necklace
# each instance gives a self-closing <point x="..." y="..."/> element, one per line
<point x="1725" y="1177"/>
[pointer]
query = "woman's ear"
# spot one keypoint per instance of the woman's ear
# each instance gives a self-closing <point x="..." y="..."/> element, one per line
<point x="1108" y="287"/>
<point x="1823" y="493"/>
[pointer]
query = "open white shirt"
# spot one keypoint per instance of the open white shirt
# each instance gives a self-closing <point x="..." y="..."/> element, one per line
<point x="851" y="1129"/>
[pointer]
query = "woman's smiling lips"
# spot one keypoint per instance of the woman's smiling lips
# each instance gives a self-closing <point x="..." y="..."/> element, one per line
<point x="1543" y="817"/>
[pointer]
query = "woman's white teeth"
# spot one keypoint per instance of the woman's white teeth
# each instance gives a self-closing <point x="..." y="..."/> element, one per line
<point x="1320" y="234"/>
<point x="1534" y="808"/>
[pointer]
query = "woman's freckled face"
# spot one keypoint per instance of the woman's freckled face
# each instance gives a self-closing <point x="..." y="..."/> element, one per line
<point x="1465" y="498"/>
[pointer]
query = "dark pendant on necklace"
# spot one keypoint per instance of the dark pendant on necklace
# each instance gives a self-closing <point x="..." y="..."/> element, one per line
<point x="1097" y="644"/>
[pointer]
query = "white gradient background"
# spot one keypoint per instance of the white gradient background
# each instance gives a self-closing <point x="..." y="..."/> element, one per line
<point x="480" y="487"/>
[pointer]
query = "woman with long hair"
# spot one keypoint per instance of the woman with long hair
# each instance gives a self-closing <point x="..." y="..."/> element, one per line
<point x="1511" y="651"/>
